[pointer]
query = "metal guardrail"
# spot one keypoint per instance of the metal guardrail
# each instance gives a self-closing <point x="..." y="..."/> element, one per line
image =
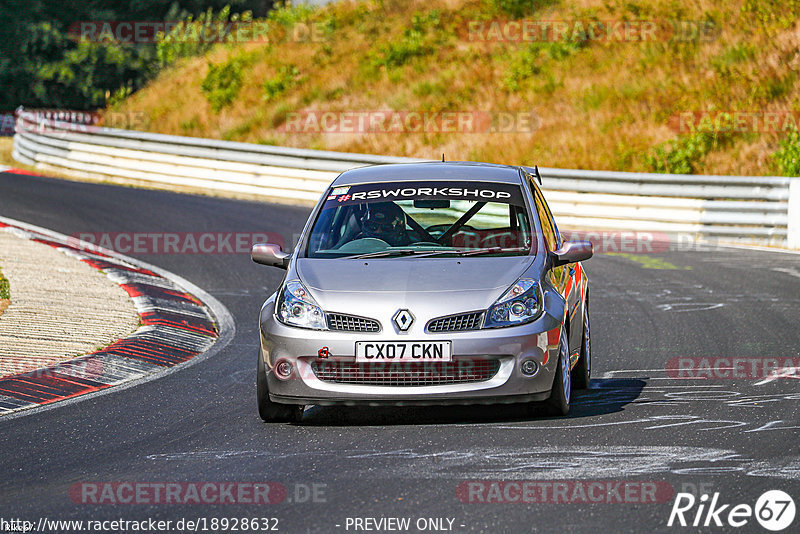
<point x="752" y="209"/>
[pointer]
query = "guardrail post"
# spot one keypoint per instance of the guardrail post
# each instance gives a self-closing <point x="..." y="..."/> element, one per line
<point x="793" y="229"/>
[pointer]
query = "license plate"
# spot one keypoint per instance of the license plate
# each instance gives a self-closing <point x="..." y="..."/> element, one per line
<point x="404" y="351"/>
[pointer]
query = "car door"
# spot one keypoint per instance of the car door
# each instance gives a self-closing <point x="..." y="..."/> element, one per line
<point x="566" y="277"/>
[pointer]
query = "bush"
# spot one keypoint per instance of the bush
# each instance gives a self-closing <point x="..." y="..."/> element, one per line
<point x="787" y="157"/>
<point x="61" y="73"/>
<point x="531" y="61"/>
<point x="289" y="15"/>
<point x="5" y="288"/>
<point x="396" y="54"/>
<point x="416" y="41"/>
<point x="518" y="8"/>
<point x="187" y="39"/>
<point x="772" y="15"/>
<point x="288" y="76"/>
<point x="682" y="155"/>
<point x="222" y="83"/>
<point x="45" y="61"/>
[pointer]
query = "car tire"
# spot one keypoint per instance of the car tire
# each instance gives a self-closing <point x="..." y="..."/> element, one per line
<point x="582" y="372"/>
<point x="558" y="402"/>
<point x="268" y="410"/>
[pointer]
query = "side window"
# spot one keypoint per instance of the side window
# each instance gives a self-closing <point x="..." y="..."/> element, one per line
<point x="548" y="229"/>
<point x="552" y="221"/>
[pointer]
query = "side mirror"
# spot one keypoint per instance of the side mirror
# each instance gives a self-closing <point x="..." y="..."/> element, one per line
<point x="571" y="252"/>
<point x="268" y="254"/>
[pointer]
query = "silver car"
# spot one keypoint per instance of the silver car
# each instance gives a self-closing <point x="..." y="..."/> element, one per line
<point x="426" y="283"/>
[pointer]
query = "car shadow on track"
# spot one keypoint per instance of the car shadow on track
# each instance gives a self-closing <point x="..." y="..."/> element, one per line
<point x="604" y="396"/>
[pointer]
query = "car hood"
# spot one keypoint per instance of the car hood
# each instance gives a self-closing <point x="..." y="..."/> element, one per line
<point x="445" y="285"/>
<point x="411" y="274"/>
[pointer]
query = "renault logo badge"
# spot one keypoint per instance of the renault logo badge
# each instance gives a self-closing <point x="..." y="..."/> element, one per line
<point x="403" y="320"/>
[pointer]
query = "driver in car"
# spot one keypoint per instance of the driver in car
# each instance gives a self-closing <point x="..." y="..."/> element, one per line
<point x="385" y="221"/>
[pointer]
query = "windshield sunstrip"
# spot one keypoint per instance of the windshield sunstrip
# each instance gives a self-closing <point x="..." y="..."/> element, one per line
<point x="439" y="190"/>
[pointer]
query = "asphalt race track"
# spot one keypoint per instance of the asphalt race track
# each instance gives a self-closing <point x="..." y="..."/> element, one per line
<point x="639" y="423"/>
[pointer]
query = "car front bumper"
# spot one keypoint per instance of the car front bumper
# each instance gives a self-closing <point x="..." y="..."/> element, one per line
<point x="509" y="346"/>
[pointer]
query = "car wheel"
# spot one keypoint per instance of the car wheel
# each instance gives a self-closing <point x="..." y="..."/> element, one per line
<point x="582" y="372"/>
<point x="273" y="412"/>
<point x="558" y="402"/>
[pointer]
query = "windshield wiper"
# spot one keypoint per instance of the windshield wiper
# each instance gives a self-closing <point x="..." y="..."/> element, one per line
<point x="395" y="252"/>
<point x="400" y="252"/>
<point x="490" y="250"/>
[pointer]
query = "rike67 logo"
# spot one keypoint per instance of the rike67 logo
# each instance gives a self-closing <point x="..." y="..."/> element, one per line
<point x="774" y="510"/>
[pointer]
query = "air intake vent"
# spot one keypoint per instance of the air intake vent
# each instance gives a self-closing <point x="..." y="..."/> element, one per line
<point x="406" y="374"/>
<point x="351" y="323"/>
<point x="456" y="323"/>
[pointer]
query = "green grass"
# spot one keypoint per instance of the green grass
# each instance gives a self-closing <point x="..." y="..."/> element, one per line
<point x="5" y="288"/>
<point x="649" y="262"/>
<point x="287" y="77"/>
<point x="787" y="157"/>
<point x="222" y="83"/>
<point x="684" y="154"/>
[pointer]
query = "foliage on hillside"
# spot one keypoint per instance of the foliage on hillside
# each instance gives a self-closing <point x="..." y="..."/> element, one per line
<point x="691" y="97"/>
<point x="58" y="54"/>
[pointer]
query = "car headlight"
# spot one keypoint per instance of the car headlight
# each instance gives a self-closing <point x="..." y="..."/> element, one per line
<point x="296" y="307"/>
<point x="521" y="304"/>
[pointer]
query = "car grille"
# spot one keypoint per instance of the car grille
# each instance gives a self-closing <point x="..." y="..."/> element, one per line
<point x="454" y="323"/>
<point x="351" y="323"/>
<point x="406" y="374"/>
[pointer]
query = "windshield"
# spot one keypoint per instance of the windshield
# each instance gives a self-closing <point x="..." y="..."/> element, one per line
<point x="422" y="218"/>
